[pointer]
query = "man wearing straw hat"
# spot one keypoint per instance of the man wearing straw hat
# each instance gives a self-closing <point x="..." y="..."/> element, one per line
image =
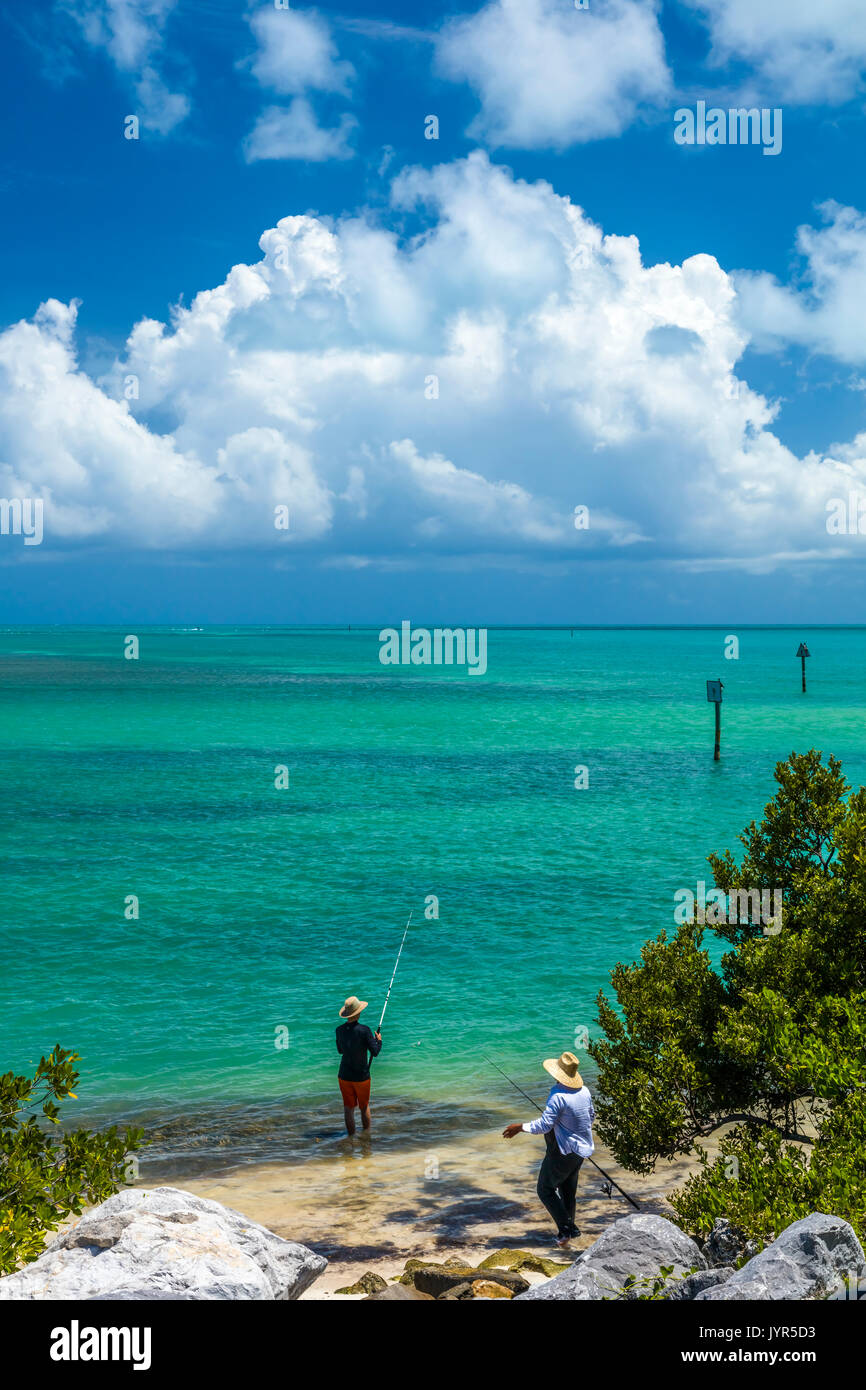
<point x="354" y="1042"/>
<point x="566" y="1123"/>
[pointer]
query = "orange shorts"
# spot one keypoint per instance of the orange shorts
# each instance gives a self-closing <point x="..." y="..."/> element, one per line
<point x="355" y="1093"/>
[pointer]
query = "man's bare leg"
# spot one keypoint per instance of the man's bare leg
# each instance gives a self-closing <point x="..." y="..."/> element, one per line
<point x="349" y="1115"/>
<point x="365" y="1117"/>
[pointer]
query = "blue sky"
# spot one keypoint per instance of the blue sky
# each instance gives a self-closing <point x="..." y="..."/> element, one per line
<point x="670" y="335"/>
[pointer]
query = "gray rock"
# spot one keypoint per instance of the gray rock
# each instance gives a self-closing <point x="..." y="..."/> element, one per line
<point x="728" y="1245"/>
<point x="476" y="1289"/>
<point x="682" y="1290"/>
<point x="438" y="1281"/>
<point x="161" y="1243"/>
<point x="638" y="1245"/>
<point x="809" y="1260"/>
<point x="398" y="1293"/>
<point x="577" y="1284"/>
<point x="457" y="1293"/>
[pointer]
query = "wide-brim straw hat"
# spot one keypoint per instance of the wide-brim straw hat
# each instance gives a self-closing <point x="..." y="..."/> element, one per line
<point x="352" y="1007"/>
<point x="564" y="1070"/>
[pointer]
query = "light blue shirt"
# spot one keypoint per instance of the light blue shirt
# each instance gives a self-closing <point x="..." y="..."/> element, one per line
<point x="570" y="1115"/>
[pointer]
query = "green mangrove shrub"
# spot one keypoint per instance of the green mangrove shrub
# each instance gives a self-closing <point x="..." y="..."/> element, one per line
<point x="46" y="1173"/>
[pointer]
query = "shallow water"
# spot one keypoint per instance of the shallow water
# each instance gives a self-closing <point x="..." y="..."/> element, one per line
<point x="366" y="1203"/>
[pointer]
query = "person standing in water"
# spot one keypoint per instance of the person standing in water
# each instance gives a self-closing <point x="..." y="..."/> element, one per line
<point x="354" y="1042"/>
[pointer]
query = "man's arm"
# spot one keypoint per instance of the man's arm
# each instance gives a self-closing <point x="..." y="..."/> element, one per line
<point x="542" y="1125"/>
<point x="374" y="1042"/>
<point x="339" y="1040"/>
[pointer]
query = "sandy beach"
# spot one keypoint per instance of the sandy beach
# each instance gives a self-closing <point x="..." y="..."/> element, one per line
<point x="369" y="1209"/>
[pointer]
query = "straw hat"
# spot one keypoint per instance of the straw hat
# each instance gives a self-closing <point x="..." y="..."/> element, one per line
<point x="352" y="1007"/>
<point x="564" y="1070"/>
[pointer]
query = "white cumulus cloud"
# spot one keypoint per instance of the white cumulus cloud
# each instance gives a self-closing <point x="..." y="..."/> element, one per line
<point x="548" y="74"/>
<point x="803" y="51"/>
<point x="426" y="396"/>
<point x="294" y="132"/>
<point x="296" y="54"/>
<point x="825" y="310"/>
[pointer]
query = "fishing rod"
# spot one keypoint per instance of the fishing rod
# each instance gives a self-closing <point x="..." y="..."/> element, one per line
<point x="608" y="1179"/>
<point x="396" y="963"/>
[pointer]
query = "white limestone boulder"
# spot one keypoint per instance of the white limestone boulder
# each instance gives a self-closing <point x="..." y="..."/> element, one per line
<point x="162" y="1243"/>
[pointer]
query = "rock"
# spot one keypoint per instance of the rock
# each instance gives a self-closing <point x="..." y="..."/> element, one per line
<point x="486" y="1288"/>
<point x="475" y="1288"/>
<point x="809" y="1260"/>
<point x="683" y="1289"/>
<point x="411" y="1265"/>
<point x="438" y="1279"/>
<point x="522" y="1259"/>
<point x="368" y="1283"/>
<point x="456" y="1293"/>
<point x="635" y="1245"/>
<point x="161" y="1243"/>
<point x="398" y="1293"/>
<point x="728" y="1245"/>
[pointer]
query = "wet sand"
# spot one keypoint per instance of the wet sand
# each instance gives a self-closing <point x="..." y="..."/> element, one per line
<point x="370" y="1208"/>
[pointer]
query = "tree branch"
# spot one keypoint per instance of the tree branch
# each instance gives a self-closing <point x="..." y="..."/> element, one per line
<point x="757" y="1120"/>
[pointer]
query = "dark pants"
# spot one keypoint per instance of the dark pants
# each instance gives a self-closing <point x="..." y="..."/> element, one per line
<point x="557" y="1185"/>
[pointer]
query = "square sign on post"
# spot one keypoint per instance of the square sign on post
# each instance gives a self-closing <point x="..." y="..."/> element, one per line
<point x="714" y="695"/>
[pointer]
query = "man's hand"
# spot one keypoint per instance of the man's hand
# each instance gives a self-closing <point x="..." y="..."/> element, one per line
<point x="378" y="1036"/>
<point x="510" y="1131"/>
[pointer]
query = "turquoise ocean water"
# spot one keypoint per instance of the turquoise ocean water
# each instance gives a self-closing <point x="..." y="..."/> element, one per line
<point x="261" y="909"/>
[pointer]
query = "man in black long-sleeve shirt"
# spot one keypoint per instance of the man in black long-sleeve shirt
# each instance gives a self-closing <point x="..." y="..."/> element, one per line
<point x="354" y="1042"/>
